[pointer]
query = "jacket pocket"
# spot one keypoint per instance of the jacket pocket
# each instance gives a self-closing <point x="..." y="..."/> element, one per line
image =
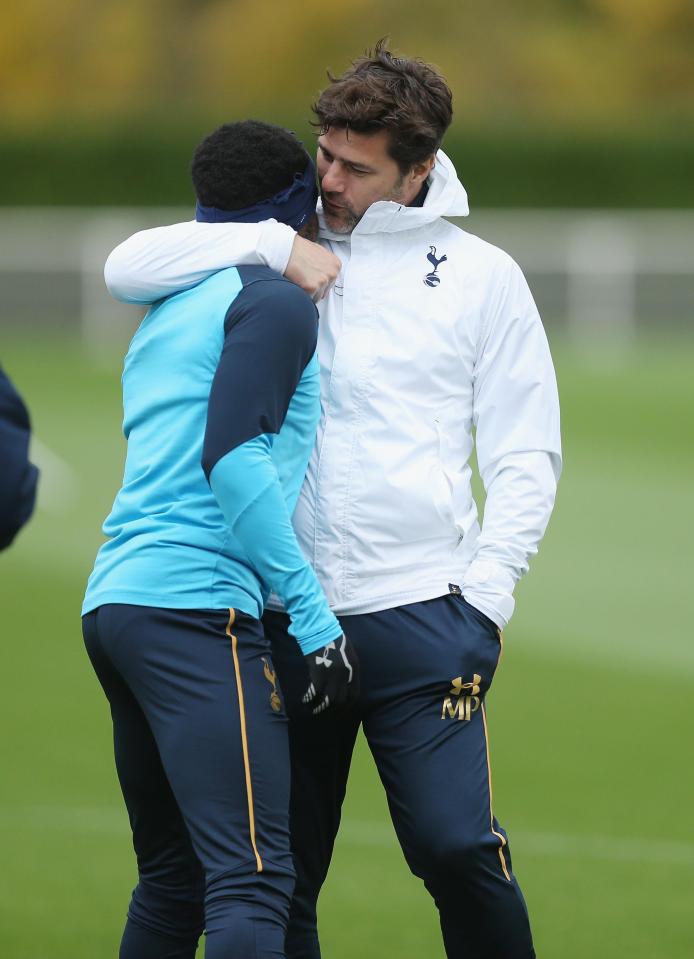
<point x="481" y="640"/>
<point x="481" y="617"/>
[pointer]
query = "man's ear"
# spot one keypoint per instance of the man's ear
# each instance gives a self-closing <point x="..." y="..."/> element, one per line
<point x="420" y="171"/>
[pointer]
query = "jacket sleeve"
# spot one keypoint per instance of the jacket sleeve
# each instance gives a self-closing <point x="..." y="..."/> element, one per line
<point x="155" y="263"/>
<point x="516" y="415"/>
<point x="270" y="338"/>
<point x="18" y="477"/>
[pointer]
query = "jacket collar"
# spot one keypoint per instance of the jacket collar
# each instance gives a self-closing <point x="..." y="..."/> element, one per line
<point x="446" y="197"/>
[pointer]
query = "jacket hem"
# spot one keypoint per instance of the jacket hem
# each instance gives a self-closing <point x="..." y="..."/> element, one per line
<point x="389" y="601"/>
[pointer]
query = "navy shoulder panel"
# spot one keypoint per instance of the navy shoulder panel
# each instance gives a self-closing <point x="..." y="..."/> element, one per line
<point x="264" y="287"/>
<point x="271" y="331"/>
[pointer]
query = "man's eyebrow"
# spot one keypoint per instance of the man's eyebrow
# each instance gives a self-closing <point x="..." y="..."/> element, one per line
<point x="355" y="164"/>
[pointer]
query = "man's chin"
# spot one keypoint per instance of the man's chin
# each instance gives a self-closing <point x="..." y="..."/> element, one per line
<point x="342" y="222"/>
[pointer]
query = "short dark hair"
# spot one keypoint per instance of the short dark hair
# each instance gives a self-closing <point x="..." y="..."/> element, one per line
<point x="242" y="163"/>
<point x="406" y="97"/>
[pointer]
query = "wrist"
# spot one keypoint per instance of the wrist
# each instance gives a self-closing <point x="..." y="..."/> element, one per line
<point x="275" y="244"/>
<point x="318" y="641"/>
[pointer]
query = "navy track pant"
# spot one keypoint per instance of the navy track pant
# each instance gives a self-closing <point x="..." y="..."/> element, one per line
<point x="200" y="739"/>
<point x="425" y="669"/>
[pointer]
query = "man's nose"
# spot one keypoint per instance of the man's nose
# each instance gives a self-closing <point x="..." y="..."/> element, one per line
<point x="332" y="181"/>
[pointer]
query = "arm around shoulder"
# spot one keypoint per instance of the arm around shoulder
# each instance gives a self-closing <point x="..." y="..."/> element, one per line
<point x="156" y="263"/>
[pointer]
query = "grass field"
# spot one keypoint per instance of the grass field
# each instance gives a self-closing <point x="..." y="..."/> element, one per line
<point x="591" y="714"/>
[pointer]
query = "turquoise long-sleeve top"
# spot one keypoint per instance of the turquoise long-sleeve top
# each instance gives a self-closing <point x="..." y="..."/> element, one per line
<point x="221" y="404"/>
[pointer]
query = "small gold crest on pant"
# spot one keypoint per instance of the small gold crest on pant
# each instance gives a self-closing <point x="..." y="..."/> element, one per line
<point x="463" y="699"/>
<point x="271" y="677"/>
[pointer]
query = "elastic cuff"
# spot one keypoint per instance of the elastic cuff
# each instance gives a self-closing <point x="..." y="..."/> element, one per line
<point x="489" y="587"/>
<point x="495" y="606"/>
<point x="318" y="640"/>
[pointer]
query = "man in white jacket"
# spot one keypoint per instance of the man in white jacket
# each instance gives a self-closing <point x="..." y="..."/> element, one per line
<point x="428" y="334"/>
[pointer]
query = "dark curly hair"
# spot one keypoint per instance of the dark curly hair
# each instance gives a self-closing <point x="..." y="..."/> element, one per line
<point x="241" y="163"/>
<point x="408" y="98"/>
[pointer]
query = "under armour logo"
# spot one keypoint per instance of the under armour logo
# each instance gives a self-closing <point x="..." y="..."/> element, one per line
<point x="431" y="279"/>
<point x="457" y="686"/>
<point x="324" y="660"/>
<point x="463" y="699"/>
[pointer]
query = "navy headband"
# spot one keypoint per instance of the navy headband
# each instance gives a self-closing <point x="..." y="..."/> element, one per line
<point x="293" y="206"/>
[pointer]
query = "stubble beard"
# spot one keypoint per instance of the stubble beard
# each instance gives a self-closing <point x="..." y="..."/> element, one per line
<point x="343" y="223"/>
<point x="348" y="218"/>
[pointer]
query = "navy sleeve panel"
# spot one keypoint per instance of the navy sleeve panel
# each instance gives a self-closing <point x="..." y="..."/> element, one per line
<point x="271" y="331"/>
<point x="18" y="477"/>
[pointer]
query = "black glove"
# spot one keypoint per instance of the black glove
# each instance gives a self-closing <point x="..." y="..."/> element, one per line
<point x="334" y="674"/>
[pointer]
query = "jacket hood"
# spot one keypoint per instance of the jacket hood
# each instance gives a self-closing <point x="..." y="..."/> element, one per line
<point x="446" y="197"/>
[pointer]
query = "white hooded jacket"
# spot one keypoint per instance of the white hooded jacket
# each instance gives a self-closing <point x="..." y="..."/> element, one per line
<point x="429" y="335"/>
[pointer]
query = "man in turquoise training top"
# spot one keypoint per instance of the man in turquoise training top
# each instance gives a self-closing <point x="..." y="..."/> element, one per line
<point x="220" y="419"/>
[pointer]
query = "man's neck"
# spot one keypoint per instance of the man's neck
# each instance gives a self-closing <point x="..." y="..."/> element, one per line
<point x="421" y="196"/>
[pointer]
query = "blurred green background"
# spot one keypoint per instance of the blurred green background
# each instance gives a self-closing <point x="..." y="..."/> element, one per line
<point x="573" y="104"/>
<point x="557" y="102"/>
